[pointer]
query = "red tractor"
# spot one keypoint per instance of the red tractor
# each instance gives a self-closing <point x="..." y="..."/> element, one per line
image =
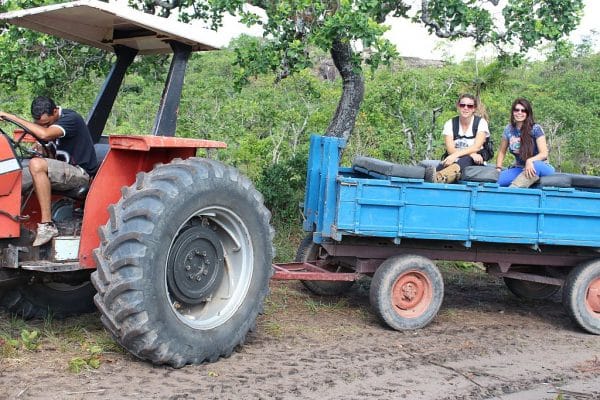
<point x="175" y="250"/>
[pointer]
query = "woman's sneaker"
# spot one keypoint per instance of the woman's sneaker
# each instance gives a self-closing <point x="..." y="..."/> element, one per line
<point x="45" y="232"/>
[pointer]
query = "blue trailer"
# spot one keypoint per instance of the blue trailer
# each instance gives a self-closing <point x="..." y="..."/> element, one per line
<point x="383" y="220"/>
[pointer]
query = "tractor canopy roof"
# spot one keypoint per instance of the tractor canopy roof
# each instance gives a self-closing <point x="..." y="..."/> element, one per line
<point x="106" y="25"/>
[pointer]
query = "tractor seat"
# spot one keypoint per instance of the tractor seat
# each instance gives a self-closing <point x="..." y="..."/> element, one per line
<point x="80" y="193"/>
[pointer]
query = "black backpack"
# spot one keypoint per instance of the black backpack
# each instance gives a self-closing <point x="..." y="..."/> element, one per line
<point x="487" y="151"/>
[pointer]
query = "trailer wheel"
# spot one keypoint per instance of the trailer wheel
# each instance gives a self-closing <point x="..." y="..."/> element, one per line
<point x="407" y="291"/>
<point x="41" y="299"/>
<point x="184" y="263"/>
<point x="309" y="251"/>
<point x="581" y="296"/>
<point x="531" y="290"/>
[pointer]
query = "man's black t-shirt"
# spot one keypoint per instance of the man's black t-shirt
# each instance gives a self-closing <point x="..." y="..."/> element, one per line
<point x="77" y="141"/>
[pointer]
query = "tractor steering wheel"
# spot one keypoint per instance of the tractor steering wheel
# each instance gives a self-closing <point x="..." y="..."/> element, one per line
<point x="48" y="149"/>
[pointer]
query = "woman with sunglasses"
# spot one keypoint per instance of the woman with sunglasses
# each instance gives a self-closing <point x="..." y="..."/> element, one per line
<point x="463" y="140"/>
<point x="526" y="141"/>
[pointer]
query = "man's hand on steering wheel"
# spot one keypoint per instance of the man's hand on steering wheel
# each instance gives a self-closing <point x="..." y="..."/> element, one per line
<point x="41" y="148"/>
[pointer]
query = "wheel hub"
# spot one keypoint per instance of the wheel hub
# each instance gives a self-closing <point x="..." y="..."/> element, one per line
<point x="409" y="290"/>
<point x="593" y="296"/>
<point x="195" y="265"/>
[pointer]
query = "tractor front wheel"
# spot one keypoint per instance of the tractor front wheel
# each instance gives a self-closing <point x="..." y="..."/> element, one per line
<point x="184" y="263"/>
<point x="43" y="299"/>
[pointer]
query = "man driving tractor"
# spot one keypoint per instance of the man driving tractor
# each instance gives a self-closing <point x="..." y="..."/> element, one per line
<point x="69" y="132"/>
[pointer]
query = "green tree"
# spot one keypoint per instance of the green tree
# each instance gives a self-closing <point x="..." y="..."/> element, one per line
<point x="47" y="63"/>
<point x="293" y="28"/>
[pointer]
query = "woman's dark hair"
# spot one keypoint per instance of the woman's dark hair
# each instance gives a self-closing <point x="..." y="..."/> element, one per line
<point x="527" y="145"/>
<point x="42" y="105"/>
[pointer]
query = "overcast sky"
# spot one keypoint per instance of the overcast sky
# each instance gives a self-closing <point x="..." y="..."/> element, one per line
<point x="418" y="43"/>
<point x="412" y="40"/>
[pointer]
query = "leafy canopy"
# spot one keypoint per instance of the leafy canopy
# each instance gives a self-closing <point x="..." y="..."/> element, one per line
<point x="292" y="28"/>
<point x="50" y="64"/>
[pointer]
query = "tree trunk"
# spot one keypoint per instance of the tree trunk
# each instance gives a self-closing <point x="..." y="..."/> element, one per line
<point x="353" y="91"/>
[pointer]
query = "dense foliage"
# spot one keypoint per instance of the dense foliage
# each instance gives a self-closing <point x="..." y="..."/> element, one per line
<point x="293" y="29"/>
<point x="267" y="126"/>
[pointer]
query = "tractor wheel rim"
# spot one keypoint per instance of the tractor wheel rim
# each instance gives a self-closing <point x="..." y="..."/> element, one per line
<point x="195" y="265"/>
<point x="227" y="289"/>
<point x="412" y="294"/>
<point x="592" y="298"/>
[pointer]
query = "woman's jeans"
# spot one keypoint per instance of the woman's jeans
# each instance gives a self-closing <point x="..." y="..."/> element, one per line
<point x="508" y="175"/>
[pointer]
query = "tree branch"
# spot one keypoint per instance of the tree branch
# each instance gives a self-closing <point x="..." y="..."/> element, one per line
<point x="448" y="31"/>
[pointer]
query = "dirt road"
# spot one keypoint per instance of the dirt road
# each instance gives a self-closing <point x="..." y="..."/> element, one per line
<point x="484" y="344"/>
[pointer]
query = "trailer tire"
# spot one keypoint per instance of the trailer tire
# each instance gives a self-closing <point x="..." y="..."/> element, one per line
<point x="531" y="290"/>
<point x="309" y="251"/>
<point x="407" y="292"/>
<point x="184" y="263"/>
<point x="581" y="296"/>
<point x="42" y="299"/>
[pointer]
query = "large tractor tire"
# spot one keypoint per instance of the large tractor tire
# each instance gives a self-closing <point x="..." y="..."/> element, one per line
<point x="184" y="263"/>
<point x="309" y="251"/>
<point x="43" y="299"/>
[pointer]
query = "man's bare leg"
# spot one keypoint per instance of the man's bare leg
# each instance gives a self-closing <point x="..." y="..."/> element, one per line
<point x="46" y="229"/>
<point x="39" y="174"/>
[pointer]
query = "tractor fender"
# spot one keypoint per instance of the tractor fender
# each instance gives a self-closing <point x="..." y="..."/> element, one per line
<point x="127" y="156"/>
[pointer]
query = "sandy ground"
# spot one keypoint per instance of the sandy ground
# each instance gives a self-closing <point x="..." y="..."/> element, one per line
<point x="484" y="344"/>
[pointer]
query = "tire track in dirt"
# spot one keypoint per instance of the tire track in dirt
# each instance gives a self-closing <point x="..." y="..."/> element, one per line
<point x="484" y="344"/>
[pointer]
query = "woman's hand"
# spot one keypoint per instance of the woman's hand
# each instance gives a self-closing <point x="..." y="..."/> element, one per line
<point x="477" y="158"/>
<point x="450" y="159"/>
<point x="529" y="169"/>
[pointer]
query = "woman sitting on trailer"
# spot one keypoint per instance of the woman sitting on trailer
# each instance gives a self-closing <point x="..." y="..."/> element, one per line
<point x="526" y="141"/>
<point x="464" y="137"/>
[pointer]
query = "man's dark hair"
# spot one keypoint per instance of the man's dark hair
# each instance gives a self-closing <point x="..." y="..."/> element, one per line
<point x="42" y="105"/>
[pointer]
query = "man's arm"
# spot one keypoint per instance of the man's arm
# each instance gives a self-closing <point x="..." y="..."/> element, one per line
<point x="45" y="133"/>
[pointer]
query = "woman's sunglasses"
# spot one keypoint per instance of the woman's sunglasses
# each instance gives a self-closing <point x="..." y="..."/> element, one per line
<point x="518" y="109"/>
<point x="469" y="106"/>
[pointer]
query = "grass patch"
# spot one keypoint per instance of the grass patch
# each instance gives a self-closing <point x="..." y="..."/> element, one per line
<point x="91" y="360"/>
<point x="287" y="239"/>
<point x="83" y="337"/>
<point x="319" y="305"/>
<point x="273" y="328"/>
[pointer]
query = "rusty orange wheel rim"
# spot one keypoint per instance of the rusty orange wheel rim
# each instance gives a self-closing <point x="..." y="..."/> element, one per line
<point x="412" y="294"/>
<point x="592" y="298"/>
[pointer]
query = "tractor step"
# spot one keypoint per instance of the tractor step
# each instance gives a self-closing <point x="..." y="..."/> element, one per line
<point x="48" y="266"/>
